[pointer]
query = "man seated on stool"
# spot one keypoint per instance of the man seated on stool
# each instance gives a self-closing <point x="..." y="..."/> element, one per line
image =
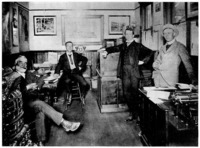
<point x="40" y="108"/>
<point x="73" y="65"/>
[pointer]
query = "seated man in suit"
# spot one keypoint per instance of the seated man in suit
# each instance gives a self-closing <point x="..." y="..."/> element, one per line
<point x="31" y="103"/>
<point x="73" y="65"/>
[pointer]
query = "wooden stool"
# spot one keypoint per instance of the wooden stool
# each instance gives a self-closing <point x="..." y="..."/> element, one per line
<point x="76" y="92"/>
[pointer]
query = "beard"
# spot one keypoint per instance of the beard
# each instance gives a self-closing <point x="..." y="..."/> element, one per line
<point x="20" y="69"/>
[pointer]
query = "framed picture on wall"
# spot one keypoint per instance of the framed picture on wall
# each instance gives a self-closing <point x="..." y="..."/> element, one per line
<point x="15" y="27"/>
<point x="116" y="23"/>
<point x="110" y="42"/>
<point x="192" y="9"/>
<point x="23" y="29"/>
<point x="178" y="12"/>
<point x="157" y="6"/>
<point x="82" y="30"/>
<point x="6" y="25"/>
<point x="44" y="25"/>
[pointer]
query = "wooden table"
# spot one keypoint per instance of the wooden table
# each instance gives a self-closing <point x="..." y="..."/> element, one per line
<point x="49" y="92"/>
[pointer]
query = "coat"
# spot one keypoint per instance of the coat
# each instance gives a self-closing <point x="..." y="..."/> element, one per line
<point x="167" y="64"/>
<point x="137" y="52"/>
<point x="63" y="64"/>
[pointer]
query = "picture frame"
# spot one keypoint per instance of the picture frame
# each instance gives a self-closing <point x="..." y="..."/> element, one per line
<point x="23" y="29"/>
<point x="116" y="23"/>
<point x="82" y="30"/>
<point x="192" y="9"/>
<point x="44" y="25"/>
<point x="157" y="6"/>
<point x="178" y="12"/>
<point x="110" y="42"/>
<point x="6" y="28"/>
<point x="15" y="27"/>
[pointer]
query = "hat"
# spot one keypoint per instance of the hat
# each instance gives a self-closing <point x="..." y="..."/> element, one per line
<point x="170" y="26"/>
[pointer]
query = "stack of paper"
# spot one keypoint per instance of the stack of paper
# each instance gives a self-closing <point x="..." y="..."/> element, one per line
<point x="183" y="86"/>
<point x="158" y="96"/>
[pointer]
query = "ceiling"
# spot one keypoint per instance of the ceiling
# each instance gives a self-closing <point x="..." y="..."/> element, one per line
<point x="79" y="5"/>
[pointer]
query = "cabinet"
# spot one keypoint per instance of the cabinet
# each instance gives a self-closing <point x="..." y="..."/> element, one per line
<point x="110" y="95"/>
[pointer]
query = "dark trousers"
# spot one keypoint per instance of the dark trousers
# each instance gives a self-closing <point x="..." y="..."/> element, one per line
<point x="130" y="88"/>
<point x="64" y="84"/>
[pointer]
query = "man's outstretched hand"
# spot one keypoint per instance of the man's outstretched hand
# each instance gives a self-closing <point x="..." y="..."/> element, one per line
<point x="103" y="51"/>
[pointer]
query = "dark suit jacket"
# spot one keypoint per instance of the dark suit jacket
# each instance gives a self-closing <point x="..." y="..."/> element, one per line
<point x="63" y="64"/>
<point x="20" y="83"/>
<point x="32" y="78"/>
<point x="137" y="52"/>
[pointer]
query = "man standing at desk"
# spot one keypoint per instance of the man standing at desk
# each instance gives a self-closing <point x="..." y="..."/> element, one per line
<point x="72" y="64"/>
<point x="132" y="54"/>
<point x="166" y="66"/>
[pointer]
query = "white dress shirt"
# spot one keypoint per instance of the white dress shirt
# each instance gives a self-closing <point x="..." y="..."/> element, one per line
<point x="22" y="74"/>
<point x="71" y="60"/>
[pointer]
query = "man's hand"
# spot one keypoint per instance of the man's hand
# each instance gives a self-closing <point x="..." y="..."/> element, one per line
<point x="103" y="51"/>
<point x="32" y="86"/>
<point x="56" y="75"/>
<point x="140" y="62"/>
<point x="104" y="54"/>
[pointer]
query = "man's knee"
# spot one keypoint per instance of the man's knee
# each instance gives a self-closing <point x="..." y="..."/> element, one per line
<point x="37" y="106"/>
<point x="67" y="81"/>
<point x="40" y="116"/>
<point x="86" y="85"/>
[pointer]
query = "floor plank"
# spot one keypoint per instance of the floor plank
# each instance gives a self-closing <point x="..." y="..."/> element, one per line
<point x="99" y="129"/>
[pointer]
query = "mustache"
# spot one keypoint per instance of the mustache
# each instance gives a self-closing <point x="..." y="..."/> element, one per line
<point x="21" y="68"/>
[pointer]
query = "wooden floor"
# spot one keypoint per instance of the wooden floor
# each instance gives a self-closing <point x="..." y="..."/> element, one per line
<point x="107" y="129"/>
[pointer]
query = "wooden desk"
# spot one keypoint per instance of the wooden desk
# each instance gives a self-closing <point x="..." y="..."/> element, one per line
<point x="157" y="121"/>
<point x="49" y="93"/>
<point x="154" y="121"/>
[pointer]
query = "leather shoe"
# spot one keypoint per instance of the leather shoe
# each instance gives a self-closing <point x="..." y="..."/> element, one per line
<point x="70" y="126"/>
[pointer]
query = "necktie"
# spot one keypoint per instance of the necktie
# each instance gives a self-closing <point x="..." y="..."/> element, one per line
<point x="167" y="46"/>
<point x="70" y="58"/>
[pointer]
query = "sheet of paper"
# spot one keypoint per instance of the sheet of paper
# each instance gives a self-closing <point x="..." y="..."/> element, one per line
<point x="159" y="88"/>
<point x="156" y="100"/>
<point x="158" y="94"/>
